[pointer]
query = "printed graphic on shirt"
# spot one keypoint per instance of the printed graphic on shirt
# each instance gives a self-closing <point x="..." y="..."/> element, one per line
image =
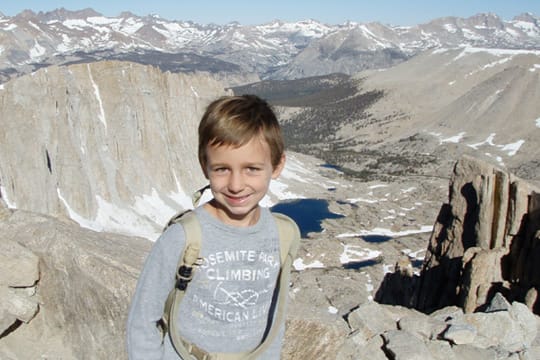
<point x="236" y="286"/>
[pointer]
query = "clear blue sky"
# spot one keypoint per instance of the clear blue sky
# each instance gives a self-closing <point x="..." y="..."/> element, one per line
<point x="395" y="12"/>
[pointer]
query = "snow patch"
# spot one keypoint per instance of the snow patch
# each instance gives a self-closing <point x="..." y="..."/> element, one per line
<point x="452" y="139"/>
<point x="332" y="310"/>
<point x="511" y="149"/>
<point x="497" y="52"/>
<point x="144" y="218"/>
<point x="37" y="50"/>
<point x="355" y="253"/>
<point x="369" y="287"/>
<point x="194" y="91"/>
<point x="10" y="27"/>
<point x="376" y="186"/>
<point x="299" y="265"/>
<point x="111" y="217"/>
<point x="10" y="204"/>
<point x="153" y="207"/>
<point x="414" y="255"/>
<point x="368" y="201"/>
<point x="101" y="114"/>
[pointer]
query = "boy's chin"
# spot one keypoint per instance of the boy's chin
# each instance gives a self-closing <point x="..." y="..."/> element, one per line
<point x="237" y="213"/>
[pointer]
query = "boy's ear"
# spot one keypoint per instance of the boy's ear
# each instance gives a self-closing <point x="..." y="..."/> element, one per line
<point x="277" y="170"/>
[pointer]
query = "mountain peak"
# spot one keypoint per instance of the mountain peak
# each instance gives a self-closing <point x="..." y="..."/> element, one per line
<point x="26" y="14"/>
<point x="527" y="17"/>
<point x="63" y="14"/>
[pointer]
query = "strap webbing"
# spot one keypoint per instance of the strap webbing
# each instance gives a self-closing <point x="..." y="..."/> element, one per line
<point x="188" y="258"/>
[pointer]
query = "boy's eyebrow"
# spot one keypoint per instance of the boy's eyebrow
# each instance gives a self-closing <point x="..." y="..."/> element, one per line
<point x="246" y="163"/>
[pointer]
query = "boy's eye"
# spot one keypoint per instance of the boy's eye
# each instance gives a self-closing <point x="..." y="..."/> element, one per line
<point x="253" y="169"/>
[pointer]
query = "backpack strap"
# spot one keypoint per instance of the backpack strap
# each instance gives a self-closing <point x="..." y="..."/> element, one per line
<point x="289" y="241"/>
<point x="186" y="262"/>
<point x="289" y="236"/>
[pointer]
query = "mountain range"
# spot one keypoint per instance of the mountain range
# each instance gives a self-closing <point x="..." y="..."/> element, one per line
<point x="275" y="50"/>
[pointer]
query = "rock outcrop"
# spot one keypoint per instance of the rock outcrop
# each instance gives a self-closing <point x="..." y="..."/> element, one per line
<point x="486" y="240"/>
<point x="503" y="331"/>
<point x="19" y="274"/>
<point x="75" y="306"/>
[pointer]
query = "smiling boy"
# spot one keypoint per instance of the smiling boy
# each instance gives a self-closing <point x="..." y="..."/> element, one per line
<point x="230" y="304"/>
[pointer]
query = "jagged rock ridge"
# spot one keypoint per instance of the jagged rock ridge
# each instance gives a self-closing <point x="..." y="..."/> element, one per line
<point x="486" y="240"/>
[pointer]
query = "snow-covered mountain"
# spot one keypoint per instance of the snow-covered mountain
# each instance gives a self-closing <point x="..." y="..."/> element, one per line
<point x="282" y="50"/>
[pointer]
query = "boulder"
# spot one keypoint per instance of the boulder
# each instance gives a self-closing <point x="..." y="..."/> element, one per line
<point x="449" y="333"/>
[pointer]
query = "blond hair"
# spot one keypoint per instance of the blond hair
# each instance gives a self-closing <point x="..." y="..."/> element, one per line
<point x="235" y="120"/>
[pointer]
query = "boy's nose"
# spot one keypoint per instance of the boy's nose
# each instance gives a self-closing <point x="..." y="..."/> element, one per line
<point x="236" y="182"/>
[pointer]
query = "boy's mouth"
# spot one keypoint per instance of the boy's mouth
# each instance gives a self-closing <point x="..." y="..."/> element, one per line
<point x="236" y="200"/>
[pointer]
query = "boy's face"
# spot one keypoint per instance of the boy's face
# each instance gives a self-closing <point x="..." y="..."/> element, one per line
<point x="239" y="178"/>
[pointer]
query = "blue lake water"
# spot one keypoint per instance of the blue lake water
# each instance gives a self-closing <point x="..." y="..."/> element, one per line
<point x="308" y="213"/>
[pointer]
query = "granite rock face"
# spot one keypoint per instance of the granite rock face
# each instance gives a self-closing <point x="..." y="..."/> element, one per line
<point x="94" y="141"/>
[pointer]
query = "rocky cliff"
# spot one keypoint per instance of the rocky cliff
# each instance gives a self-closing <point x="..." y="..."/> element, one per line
<point x="104" y="143"/>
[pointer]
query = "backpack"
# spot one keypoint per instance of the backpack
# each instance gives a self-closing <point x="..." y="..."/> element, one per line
<point x="289" y="239"/>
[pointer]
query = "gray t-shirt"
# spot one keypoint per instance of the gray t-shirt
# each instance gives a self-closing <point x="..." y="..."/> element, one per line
<point x="228" y="303"/>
